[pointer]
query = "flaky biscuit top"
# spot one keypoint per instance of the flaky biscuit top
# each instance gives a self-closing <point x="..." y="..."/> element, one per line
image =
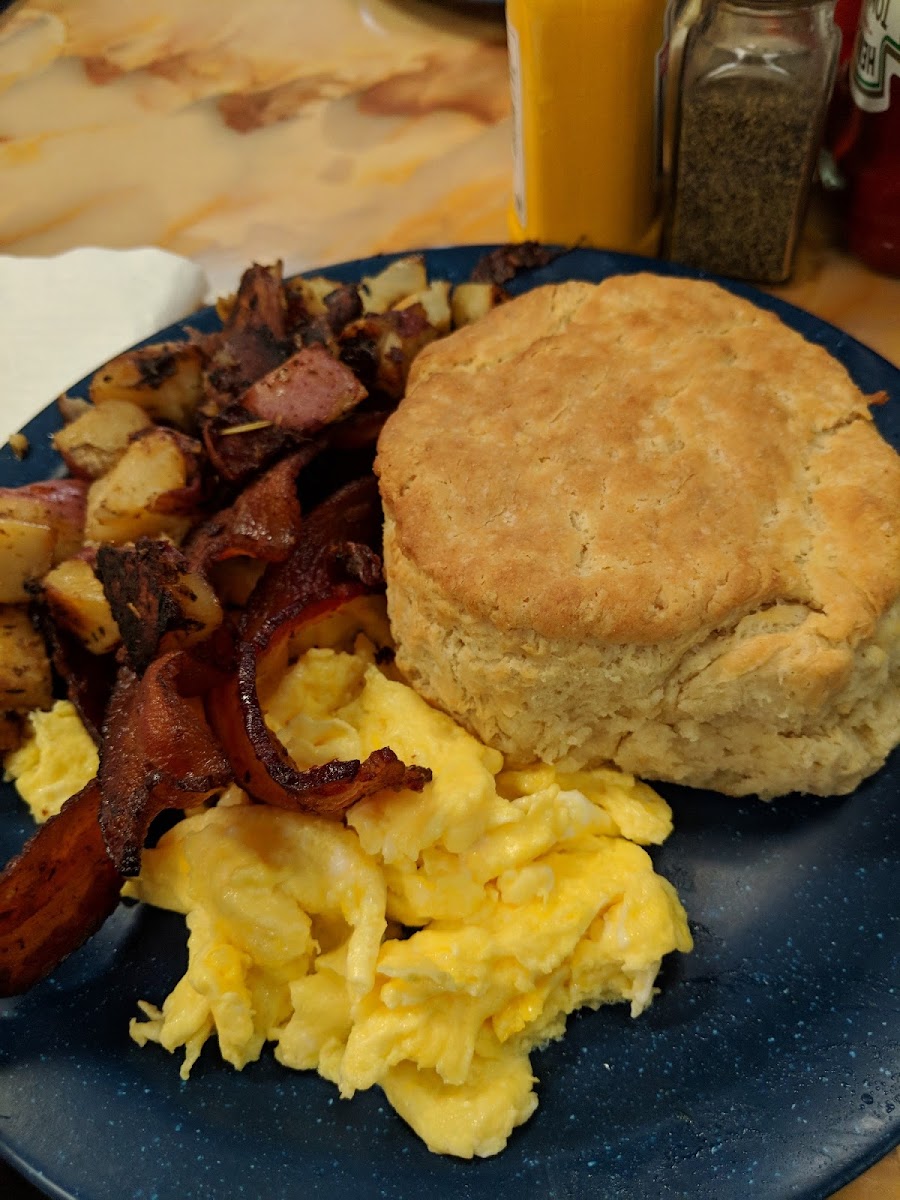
<point x="633" y="461"/>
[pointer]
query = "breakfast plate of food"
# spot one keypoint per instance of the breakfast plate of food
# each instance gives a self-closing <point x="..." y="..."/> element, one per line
<point x="456" y="696"/>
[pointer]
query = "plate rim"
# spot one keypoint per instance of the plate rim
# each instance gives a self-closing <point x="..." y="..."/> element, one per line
<point x="794" y="315"/>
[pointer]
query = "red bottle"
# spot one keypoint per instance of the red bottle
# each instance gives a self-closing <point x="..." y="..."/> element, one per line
<point x="846" y="17"/>
<point x="872" y="164"/>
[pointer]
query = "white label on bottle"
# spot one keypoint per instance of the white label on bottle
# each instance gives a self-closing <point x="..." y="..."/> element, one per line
<point x="515" y="89"/>
<point x="876" y="55"/>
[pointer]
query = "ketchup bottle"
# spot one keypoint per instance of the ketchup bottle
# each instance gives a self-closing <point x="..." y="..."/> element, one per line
<point x="872" y="164"/>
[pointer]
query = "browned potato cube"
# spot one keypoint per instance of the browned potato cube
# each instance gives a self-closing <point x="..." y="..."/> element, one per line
<point x="200" y="608"/>
<point x="235" y="578"/>
<point x="312" y="292"/>
<point x="95" y="441"/>
<point x="77" y="601"/>
<point x="435" y="299"/>
<point x="469" y="301"/>
<point x="400" y="278"/>
<point x="26" y="554"/>
<point x="24" y="665"/>
<point x="130" y="500"/>
<point x="71" y="407"/>
<point x="58" y="504"/>
<point x="165" y="380"/>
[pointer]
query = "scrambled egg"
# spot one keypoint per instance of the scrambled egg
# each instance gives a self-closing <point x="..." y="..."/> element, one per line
<point x="432" y="941"/>
<point x="56" y="759"/>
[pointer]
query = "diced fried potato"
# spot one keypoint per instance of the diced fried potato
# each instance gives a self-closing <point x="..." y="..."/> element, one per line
<point x="122" y="505"/>
<point x="57" y="503"/>
<point x="435" y="299"/>
<point x="400" y="278"/>
<point x="393" y="339"/>
<point x="26" y="554"/>
<point x="95" y="441"/>
<point x="24" y="666"/>
<point x="19" y="444"/>
<point x="76" y="598"/>
<point x="313" y="292"/>
<point x="71" y="407"/>
<point x="157" y="600"/>
<point x="225" y="306"/>
<point x="469" y="301"/>
<point x="200" y="607"/>
<point x="165" y="380"/>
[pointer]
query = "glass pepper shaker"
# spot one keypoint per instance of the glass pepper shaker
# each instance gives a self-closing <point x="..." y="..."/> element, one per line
<point x="756" y="78"/>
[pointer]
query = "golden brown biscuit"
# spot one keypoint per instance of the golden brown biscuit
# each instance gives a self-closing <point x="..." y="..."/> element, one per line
<point x="645" y="522"/>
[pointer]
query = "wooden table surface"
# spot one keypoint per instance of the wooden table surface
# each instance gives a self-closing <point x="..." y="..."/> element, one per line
<point x="306" y="130"/>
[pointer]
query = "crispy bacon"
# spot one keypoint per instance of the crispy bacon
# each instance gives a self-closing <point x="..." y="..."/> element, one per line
<point x="263" y="522"/>
<point x="239" y="444"/>
<point x="87" y="678"/>
<point x="504" y="263"/>
<point x="348" y="521"/>
<point x="335" y="561"/>
<point x="360" y="430"/>
<point x="55" y="894"/>
<point x="10" y="731"/>
<point x="180" y="724"/>
<point x="253" y="340"/>
<point x="158" y="752"/>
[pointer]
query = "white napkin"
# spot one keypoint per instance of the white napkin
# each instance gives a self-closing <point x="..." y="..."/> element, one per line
<point x="62" y="317"/>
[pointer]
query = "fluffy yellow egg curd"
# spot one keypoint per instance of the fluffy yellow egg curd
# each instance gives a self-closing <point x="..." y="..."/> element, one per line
<point x="432" y="941"/>
<point x="56" y="759"/>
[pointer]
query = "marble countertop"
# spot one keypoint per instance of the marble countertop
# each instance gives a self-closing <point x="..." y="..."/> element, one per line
<point x="306" y="130"/>
<point x="230" y="132"/>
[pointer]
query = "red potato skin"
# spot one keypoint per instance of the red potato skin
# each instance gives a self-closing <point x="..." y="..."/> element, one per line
<point x="263" y="522"/>
<point x="312" y="389"/>
<point x="63" y="503"/>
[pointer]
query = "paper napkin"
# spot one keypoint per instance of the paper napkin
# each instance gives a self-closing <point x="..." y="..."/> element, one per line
<point x="61" y="317"/>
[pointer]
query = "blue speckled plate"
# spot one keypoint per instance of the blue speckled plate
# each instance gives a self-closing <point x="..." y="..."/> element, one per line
<point x="767" y="1066"/>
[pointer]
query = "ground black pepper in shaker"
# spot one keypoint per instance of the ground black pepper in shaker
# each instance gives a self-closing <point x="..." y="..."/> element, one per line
<point x="756" y="79"/>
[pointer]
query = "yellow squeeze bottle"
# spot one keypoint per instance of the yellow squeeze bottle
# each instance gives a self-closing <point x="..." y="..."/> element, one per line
<point x="583" y="75"/>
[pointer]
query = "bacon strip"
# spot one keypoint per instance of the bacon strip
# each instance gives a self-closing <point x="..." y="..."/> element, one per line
<point x="158" y="752"/>
<point x="238" y="444"/>
<point x="505" y="263"/>
<point x="160" y="747"/>
<point x="88" y="678"/>
<point x="347" y="524"/>
<point x="335" y="562"/>
<point x="263" y="523"/>
<point x="55" y="894"/>
<point x="254" y="338"/>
